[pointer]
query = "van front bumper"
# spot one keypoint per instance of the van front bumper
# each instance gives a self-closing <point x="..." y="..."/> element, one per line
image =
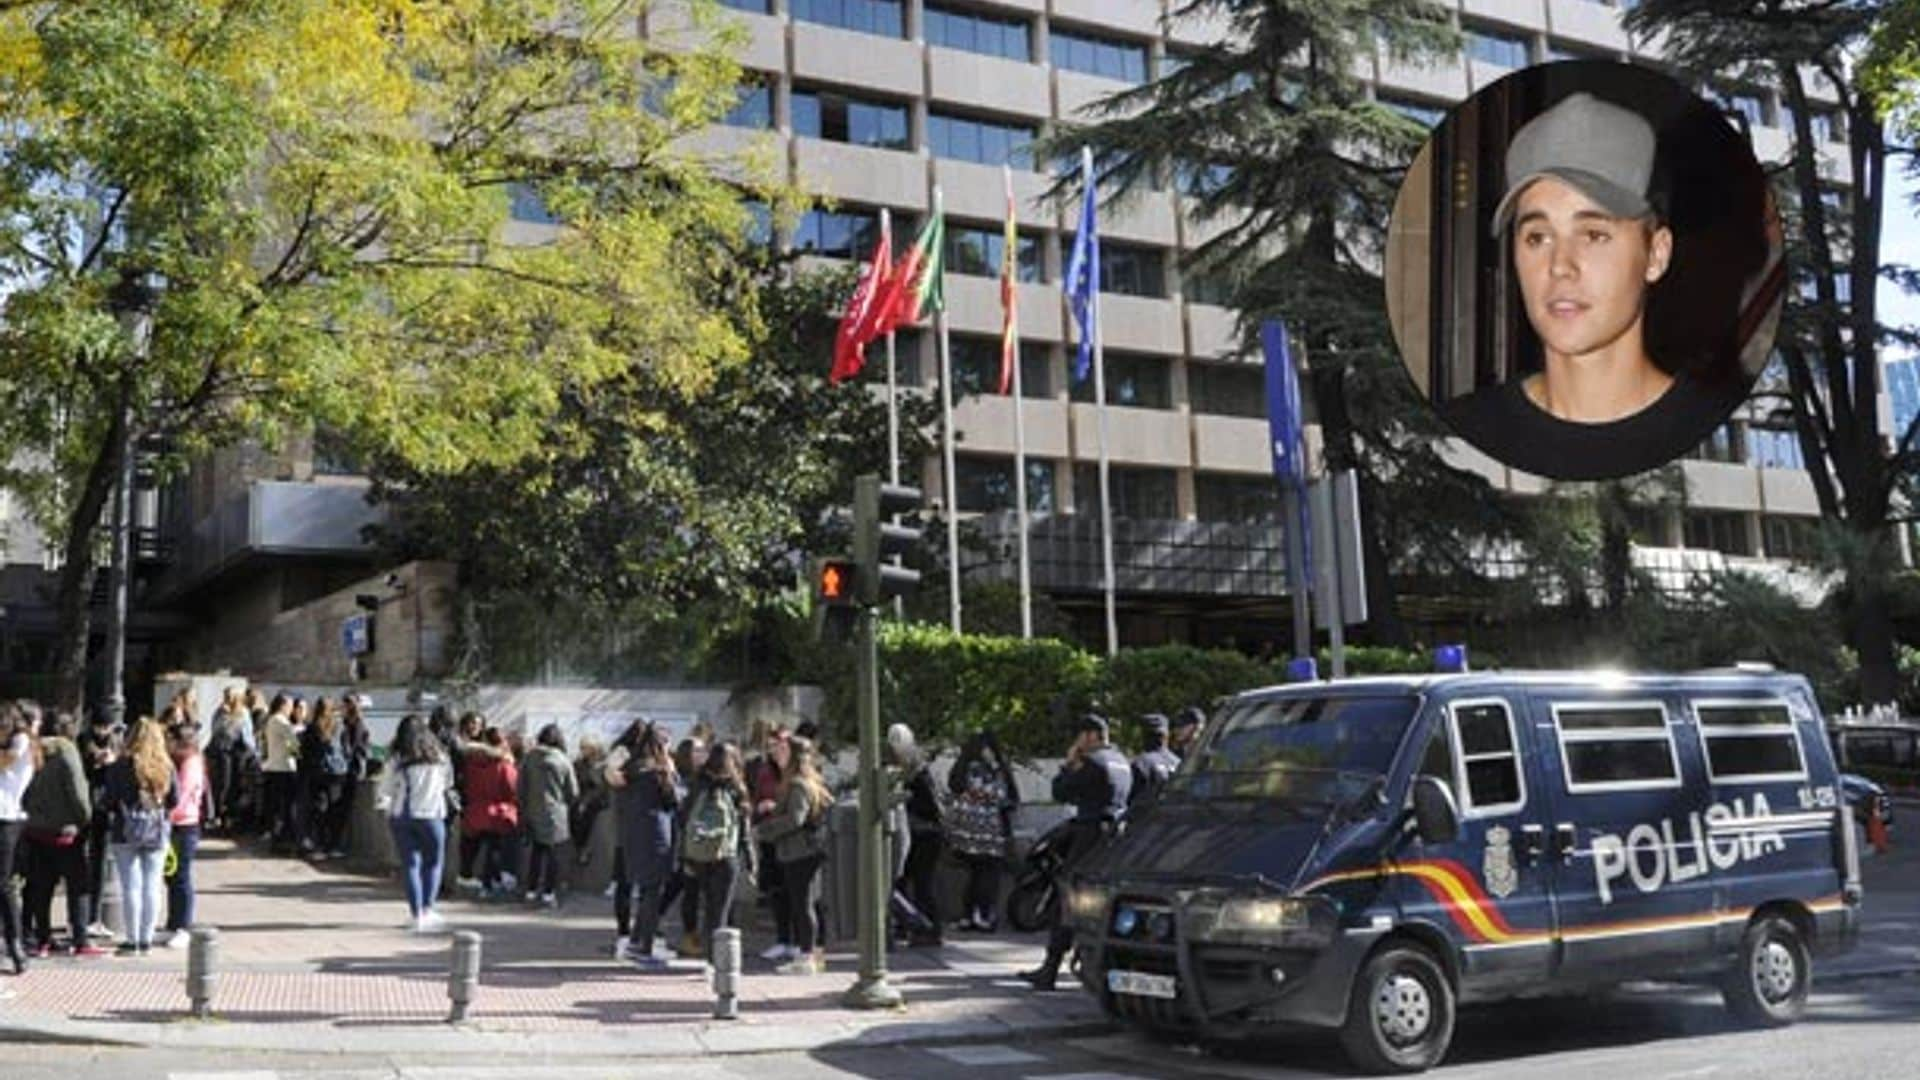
<point x="1228" y="990"/>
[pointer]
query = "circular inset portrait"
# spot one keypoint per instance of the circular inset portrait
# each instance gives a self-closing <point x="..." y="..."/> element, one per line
<point x="1585" y="270"/>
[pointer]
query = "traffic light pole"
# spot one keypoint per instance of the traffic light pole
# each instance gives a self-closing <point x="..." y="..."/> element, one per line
<point x="871" y="990"/>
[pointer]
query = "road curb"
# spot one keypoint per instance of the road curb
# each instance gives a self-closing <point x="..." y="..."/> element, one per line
<point x="472" y="1040"/>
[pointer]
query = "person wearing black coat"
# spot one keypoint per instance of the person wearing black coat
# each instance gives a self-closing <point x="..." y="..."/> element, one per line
<point x="1096" y="781"/>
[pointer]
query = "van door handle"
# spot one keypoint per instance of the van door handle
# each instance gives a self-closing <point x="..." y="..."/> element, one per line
<point x="1566" y="838"/>
<point x="1533" y="844"/>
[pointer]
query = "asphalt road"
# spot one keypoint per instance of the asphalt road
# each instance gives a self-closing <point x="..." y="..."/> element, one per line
<point x="1863" y="1031"/>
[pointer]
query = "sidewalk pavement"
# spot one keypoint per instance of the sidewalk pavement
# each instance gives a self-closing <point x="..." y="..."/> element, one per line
<point x="315" y="960"/>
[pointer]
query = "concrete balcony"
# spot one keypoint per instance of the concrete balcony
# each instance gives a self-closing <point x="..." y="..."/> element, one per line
<point x="1200" y="29"/>
<point x="988" y="82"/>
<point x="984" y="424"/>
<point x="1716" y="485"/>
<point x="1138" y="436"/>
<point x="1444" y="79"/>
<point x="671" y="22"/>
<point x="1586" y="22"/>
<point x="1212" y="331"/>
<point x="1788" y="491"/>
<point x="1522" y="14"/>
<point x="740" y="155"/>
<point x="1231" y="444"/>
<point x="1141" y="324"/>
<point x="862" y="174"/>
<point x="849" y="58"/>
<point x="973" y="307"/>
<point x="1141" y="17"/>
<point x="1483" y="74"/>
<point x="1145" y="217"/>
<point x="977" y="191"/>
<point x="1077" y="92"/>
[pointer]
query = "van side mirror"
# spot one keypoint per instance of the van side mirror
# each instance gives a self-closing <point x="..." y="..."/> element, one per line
<point x="1435" y="814"/>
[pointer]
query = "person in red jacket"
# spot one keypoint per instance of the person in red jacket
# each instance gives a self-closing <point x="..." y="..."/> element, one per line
<point x="492" y="812"/>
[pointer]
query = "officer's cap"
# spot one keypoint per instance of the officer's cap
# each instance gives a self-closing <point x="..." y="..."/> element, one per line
<point x="1093" y="722"/>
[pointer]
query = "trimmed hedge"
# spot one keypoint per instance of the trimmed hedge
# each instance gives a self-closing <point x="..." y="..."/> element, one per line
<point x="945" y="685"/>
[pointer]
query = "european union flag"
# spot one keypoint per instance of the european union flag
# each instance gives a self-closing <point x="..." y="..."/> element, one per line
<point x="1083" y="271"/>
<point x="1288" y="439"/>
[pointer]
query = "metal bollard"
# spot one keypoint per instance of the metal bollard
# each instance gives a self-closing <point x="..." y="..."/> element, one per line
<point x="463" y="978"/>
<point x="203" y="969"/>
<point x="726" y="974"/>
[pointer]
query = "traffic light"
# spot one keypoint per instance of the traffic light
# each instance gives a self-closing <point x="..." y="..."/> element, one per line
<point x="876" y="541"/>
<point x="834" y="582"/>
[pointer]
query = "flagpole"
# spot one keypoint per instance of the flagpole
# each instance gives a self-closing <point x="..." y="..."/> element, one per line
<point x="1010" y="260"/>
<point x="1100" y="403"/>
<point x="893" y="389"/>
<point x="946" y="444"/>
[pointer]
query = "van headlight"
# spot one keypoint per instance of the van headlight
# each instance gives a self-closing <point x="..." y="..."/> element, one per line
<point x="1087" y="905"/>
<point x="1262" y="915"/>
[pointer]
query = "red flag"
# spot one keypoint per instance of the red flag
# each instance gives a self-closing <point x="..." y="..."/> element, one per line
<point x="916" y="287"/>
<point x="861" y="323"/>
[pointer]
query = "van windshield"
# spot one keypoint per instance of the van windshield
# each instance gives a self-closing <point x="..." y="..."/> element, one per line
<point x="1318" y="749"/>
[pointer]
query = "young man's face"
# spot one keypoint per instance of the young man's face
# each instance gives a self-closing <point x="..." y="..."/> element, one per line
<point x="1583" y="272"/>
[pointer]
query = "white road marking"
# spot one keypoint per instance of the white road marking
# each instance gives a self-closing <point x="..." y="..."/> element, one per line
<point x="981" y="1056"/>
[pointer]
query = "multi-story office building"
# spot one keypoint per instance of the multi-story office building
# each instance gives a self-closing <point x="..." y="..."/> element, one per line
<point x="875" y="103"/>
<point x="872" y="103"/>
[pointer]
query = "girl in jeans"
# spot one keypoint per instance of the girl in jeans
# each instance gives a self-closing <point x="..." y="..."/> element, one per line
<point x="141" y="793"/>
<point x="796" y="826"/>
<point x="413" y="793"/>
<point x="188" y="816"/>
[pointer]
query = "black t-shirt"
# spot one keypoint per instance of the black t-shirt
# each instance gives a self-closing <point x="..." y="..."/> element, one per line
<point x="1504" y="423"/>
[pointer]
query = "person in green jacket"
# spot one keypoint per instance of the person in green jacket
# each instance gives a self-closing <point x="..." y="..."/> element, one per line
<point x="59" y="806"/>
<point x="548" y="787"/>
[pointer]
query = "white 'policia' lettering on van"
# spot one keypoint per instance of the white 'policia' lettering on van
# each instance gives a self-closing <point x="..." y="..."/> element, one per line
<point x="1367" y="854"/>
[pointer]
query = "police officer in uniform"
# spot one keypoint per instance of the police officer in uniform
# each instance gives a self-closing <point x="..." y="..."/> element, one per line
<point x="1155" y="765"/>
<point x="1096" y="780"/>
<point x="1186" y="729"/>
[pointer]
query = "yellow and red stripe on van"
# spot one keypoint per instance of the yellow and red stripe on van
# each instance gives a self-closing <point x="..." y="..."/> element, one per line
<point x="1479" y="918"/>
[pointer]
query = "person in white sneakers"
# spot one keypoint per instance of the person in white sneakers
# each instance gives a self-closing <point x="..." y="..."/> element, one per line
<point x="413" y="793"/>
<point x="796" y="825"/>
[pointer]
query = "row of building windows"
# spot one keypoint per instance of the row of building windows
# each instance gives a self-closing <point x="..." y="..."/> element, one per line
<point x="1750" y="444"/>
<point x="981" y="31"/>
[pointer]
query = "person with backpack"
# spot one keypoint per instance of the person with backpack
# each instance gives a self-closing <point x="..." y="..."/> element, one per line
<point x="716" y="844"/>
<point x="548" y="787"/>
<point x="195" y="806"/>
<point x="795" y="824"/>
<point x="323" y="770"/>
<point x="141" y="792"/>
<point x="414" y="793"/>
<point x="59" y="805"/>
<point x="230" y="739"/>
<point x="650" y="793"/>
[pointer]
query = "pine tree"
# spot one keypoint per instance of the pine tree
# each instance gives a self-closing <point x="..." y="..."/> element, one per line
<point x="1829" y="344"/>
<point x="1278" y="145"/>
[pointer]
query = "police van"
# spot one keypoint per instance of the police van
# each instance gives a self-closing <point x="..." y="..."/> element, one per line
<point x="1368" y="854"/>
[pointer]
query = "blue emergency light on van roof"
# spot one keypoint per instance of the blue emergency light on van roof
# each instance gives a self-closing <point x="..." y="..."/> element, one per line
<point x="1450" y="658"/>
<point x="1302" y="669"/>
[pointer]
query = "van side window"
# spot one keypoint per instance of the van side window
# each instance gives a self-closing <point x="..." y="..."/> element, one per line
<point x="1616" y="746"/>
<point x="1750" y="740"/>
<point x="1484" y="730"/>
<point x="1437" y="762"/>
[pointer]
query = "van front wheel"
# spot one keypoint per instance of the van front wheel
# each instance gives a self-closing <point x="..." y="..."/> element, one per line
<point x="1768" y="984"/>
<point x="1400" y="1017"/>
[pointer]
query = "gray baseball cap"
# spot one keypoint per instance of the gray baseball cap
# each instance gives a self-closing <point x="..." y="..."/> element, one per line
<point x="1601" y="148"/>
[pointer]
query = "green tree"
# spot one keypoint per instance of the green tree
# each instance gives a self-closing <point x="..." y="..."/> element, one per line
<point x="324" y="187"/>
<point x="668" y="514"/>
<point x="1296" y="169"/>
<point x="1829" y="344"/>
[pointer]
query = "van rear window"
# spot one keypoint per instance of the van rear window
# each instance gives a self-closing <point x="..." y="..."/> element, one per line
<point x="1749" y="741"/>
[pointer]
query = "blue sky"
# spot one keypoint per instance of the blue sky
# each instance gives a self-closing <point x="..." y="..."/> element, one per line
<point x="1899" y="243"/>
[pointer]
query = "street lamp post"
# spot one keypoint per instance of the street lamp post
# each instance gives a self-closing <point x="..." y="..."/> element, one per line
<point x="132" y="301"/>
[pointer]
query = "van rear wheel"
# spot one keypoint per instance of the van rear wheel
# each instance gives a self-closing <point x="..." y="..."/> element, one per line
<point x="1400" y="1015"/>
<point x="1767" y="986"/>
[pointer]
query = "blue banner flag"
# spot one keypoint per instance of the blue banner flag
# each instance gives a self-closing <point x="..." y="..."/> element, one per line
<point x="1083" y="271"/>
<point x="1284" y="429"/>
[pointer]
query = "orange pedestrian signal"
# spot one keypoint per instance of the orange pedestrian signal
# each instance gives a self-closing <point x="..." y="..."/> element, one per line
<point x="834" y="581"/>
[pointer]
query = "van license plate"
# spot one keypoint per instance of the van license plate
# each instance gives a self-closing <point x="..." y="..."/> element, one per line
<point x="1141" y="984"/>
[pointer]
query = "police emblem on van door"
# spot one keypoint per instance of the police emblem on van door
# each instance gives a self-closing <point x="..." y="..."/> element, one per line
<point x="1496" y="866"/>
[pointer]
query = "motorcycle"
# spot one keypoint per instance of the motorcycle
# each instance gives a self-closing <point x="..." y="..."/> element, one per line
<point x="1034" y="902"/>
